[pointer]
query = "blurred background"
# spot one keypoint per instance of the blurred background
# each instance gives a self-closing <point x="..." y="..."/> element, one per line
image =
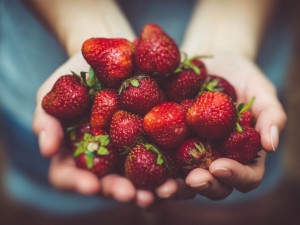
<point x="280" y="206"/>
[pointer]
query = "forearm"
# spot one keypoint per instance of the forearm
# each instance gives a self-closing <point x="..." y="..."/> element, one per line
<point x="75" y="21"/>
<point x="233" y="26"/>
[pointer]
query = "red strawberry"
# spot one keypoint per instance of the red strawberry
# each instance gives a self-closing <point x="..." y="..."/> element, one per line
<point x="126" y="129"/>
<point x="111" y="59"/>
<point x="217" y="83"/>
<point x="187" y="103"/>
<point x="247" y="119"/>
<point x="106" y="103"/>
<point x="166" y="124"/>
<point x="139" y="94"/>
<point x="193" y="153"/>
<point x="68" y="98"/>
<point x="145" y="166"/>
<point x="213" y="115"/>
<point x="95" y="153"/>
<point x="156" y="52"/>
<point x="241" y="146"/>
<point x="186" y="82"/>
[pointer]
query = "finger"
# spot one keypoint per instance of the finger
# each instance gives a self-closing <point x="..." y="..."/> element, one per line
<point x="207" y="185"/>
<point x="64" y="174"/>
<point x="167" y="189"/>
<point x="243" y="177"/>
<point x="269" y="112"/>
<point x="144" y="198"/>
<point x="49" y="132"/>
<point x="117" y="187"/>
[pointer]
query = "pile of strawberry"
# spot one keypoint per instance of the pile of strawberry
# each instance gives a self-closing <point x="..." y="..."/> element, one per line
<point x="143" y="112"/>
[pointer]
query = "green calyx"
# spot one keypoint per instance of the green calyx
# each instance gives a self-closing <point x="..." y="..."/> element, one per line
<point x="152" y="148"/>
<point x="240" y="109"/>
<point x="92" y="82"/>
<point x="91" y="146"/>
<point x="198" y="149"/>
<point x="210" y="85"/>
<point x="187" y="63"/>
<point x="134" y="81"/>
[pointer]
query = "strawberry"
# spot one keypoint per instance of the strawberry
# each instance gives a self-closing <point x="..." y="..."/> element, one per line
<point x="186" y="81"/>
<point x="187" y="103"/>
<point x="106" y="103"/>
<point x="166" y="125"/>
<point x="156" y="53"/>
<point x="139" y="94"/>
<point x="212" y="116"/>
<point x="193" y="153"/>
<point x="68" y="98"/>
<point x="95" y="153"/>
<point x="126" y="129"/>
<point x="217" y="83"/>
<point x="241" y="146"/>
<point x="247" y="119"/>
<point x="145" y="166"/>
<point x="111" y="59"/>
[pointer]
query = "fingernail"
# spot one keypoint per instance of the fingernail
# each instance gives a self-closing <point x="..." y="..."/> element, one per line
<point x="274" y="135"/>
<point x="222" y="172"/>
<point x="201" y="186"/>
<point x="42" y="138"/>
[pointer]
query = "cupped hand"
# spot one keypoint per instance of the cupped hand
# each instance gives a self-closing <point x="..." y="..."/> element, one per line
<point x="225" y="174"/>
<point x="63" y="173"/>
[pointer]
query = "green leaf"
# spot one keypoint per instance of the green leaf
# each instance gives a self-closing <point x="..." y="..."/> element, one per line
<point x="102" y="151"/>
<point x="239" y="108"/>
<point x="247" y="106"/>
<point x="104" y="139"/>
<point x="200" y="147"/>
<point x="88" y="153"/>
<point x="79" y="150"/>
<point x="211" y="85"/>
<point x="195" y="69"/>
<point x="194" y="153"/>
<point x="239" y="128"/>
<point x="89" y="161"/>
<point x="92" y="79"/>
<point x="178" y="70"/>
<point x="135" y="83"/>
<point x="86" y="136"/>
<point x="152" y="148"/>
<point x="160" y="159"/>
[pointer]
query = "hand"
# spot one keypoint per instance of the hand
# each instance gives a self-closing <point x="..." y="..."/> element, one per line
<point x="64" y="174"/>
<point x="249" y="81"/>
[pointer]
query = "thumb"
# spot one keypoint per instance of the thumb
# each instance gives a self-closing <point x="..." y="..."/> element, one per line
<point x="271" y="117"/>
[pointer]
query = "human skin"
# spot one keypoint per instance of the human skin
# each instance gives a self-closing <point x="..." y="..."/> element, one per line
<point x="233" y="59"/>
